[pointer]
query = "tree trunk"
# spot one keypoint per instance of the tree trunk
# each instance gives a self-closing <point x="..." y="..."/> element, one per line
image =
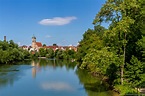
<point x="124" y="54"/>
<point x="122" y="68"/>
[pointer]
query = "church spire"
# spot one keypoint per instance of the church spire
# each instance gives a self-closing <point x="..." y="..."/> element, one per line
<point x="33" y="37"/>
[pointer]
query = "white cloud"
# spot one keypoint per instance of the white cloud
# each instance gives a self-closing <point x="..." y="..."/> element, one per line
<point x="57" y="21"/>
<point x="48" y="36"/>
<point x="57" y="86"/>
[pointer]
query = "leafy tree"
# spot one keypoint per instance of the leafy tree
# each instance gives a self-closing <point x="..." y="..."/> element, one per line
<point x="120" y="49"/>
<point x="9" y="52"/>
<point x="124" y="31"/>
<point x="60" y="54"/>
<point x="91" y="39"/>
<point x="12" y="44"/>
<point x="134" y="73"/>
<point x="44" y="45"/>
<point x="4" y="45"/>
<point x="42" y="52"/>
<point x="99" y="60"/>
<point x="54" y="44"/>
<point x="26" y="54"/>
<point x="50" y="53"/>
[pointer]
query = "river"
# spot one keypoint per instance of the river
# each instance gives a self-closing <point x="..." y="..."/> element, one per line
<point x="49" y="78"/>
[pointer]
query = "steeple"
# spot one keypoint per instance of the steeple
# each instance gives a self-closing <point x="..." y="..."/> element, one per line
<point x="33" y="38"/>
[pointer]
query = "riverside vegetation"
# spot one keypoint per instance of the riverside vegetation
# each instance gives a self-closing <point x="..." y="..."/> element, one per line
<point x="117" y="53"/>
<point x="10" y="53"/>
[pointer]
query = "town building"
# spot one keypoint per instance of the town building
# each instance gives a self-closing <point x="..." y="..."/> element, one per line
<point x="35" y="46"/>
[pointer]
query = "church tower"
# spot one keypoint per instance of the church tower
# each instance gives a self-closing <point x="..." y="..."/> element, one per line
<point x="34" y="42"/>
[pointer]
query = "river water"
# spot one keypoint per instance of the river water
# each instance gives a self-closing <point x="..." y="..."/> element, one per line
<point x="49" y="78"/>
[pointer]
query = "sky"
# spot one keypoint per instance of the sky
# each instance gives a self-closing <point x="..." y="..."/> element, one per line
<point x="62" y="22"/>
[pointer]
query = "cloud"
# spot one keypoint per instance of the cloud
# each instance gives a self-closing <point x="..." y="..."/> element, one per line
<point x="57" y="21"/>
<point x="48" y="36"/>
<point x="57" y="86"/>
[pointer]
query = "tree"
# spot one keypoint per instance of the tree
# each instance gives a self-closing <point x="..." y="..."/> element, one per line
<point x="42" y="52"/>
<point x="99" y="60"/>
<point x="54" y="44"/>
<point x="123" y="16"/>
<point x="91" y="39"/>
<point x="9" y="52"/>
<point x="60" y="54"/>
<point x="12" y="44"/>
<point x="44" y="45"/>
<point x="134" y="73"/>
<point x="50" y="53"/>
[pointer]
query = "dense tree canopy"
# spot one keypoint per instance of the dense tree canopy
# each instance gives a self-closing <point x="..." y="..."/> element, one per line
<point x="10" y="52"/>
<point x="121" y="46"/>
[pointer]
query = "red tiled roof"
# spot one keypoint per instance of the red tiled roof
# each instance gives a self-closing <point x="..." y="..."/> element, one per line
<point x="53" y="47"/>
<point x="39" y="44"/>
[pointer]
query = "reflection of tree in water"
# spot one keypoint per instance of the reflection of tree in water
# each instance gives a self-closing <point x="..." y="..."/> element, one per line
<point x="55" y="63"/>
<point x="93" y="85"/>
<point x="39" y="64"/>
<point x="9" y="74"/>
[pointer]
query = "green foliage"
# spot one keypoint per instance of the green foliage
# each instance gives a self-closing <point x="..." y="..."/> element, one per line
<point x="34" y="54"/>
<point x="120" y="49"/>
<point x="50" y="53"/>
<point x="44" y="45"/>
<point x="65" y="54"/>
<point x="12" y="44"/>
<point x="54" y="44"/>
<point x="143" y="49"/>
<point x="9" y="52"/>
<point x="91" y="39"/>
<point x="123" y="90"/>
<point x="134" y="72"/>
<point x="42" y="52"/>
<point x="26" y="54"/>
<point x="59" y="54"/>
<point x="99" y="60"/>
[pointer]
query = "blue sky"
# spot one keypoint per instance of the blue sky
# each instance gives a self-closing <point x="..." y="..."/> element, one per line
<point x="52" y="21"/>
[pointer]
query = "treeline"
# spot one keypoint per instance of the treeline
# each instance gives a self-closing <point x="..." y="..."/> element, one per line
<point x="10" y="52"/>
<point x="57" y="54"/>
<point x="117" y="52"/>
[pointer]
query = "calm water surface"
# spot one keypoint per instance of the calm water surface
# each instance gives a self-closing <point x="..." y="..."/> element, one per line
<point x="49" y="78"/>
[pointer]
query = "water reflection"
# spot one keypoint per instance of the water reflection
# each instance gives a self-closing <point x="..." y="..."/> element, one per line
<point x="56" y="86"/>
<point x="93" y="85"/>
<point x="43" y="77"/>
<point x="40" y="64"/>
<point x="36" y="67"/>
<point x="10" y="73"/>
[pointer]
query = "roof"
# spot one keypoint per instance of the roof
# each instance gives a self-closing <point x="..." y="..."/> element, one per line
<point x="53" y="47"/>
<point x="39" y="44"/>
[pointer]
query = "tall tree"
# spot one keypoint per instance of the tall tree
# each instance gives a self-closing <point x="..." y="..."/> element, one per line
<point x="92" y="38"/>
<point x="122" y="15"/>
